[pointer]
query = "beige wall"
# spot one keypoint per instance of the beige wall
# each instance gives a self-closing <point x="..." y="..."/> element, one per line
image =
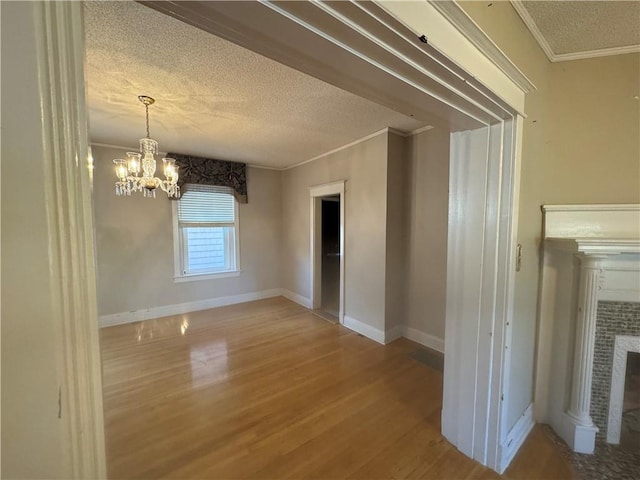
<point x="364" y="168"/>
<point x="426" y="242"/>
<point x="581" y="145"/>
<point x="396" y="210"/>
<point x="135" y="244"/>
<point x="396" y="255"/>
<point x="595" y="131"/>
<point x="34" y="441"/>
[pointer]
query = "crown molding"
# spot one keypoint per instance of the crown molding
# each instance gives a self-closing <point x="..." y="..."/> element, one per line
<point x="563" y="57"/>
<point x="350" y="144"/>
<point x="454" y="13"/>
<point x="395" y="131"/>
<point x="604" y="52"/>
<point x="533" y="28"/>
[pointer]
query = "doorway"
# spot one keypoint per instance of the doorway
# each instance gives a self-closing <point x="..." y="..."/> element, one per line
<point x="327" y="250"/>
<point x="430" y="87"/>
<point x="330" y="261"/>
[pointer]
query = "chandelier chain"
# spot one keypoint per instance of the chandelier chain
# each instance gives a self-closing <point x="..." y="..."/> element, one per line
<point x="146" y="107"/>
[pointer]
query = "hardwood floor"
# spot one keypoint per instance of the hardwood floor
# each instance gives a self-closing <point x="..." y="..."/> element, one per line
<point x="268" y="390"/>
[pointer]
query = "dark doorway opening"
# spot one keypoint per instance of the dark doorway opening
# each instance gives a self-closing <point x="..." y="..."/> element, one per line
<point x="330" y="264"/>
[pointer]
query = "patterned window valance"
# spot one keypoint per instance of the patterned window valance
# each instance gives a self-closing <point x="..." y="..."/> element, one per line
<point x="206" y="171"/>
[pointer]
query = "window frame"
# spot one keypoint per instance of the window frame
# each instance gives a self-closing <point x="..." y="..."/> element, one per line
<point x="180" y="252"/>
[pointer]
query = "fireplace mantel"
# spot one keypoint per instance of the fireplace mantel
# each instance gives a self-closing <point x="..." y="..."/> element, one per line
<point x="591" y="253"/>
<point x="595" y="246"/>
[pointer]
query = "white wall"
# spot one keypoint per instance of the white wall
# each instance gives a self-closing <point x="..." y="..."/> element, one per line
<point x="135" y="244"/>
<point x="35" y="442"/>
<point x="364" y="168"/>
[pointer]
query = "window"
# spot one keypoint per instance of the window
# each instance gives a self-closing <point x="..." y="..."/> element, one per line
<point x="205" y="233"/>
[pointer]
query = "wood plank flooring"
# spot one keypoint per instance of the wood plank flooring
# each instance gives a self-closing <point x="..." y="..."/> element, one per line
<point x="267" y="390"/>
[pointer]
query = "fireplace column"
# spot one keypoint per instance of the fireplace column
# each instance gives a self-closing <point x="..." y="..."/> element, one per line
<point x="580" y="430"/>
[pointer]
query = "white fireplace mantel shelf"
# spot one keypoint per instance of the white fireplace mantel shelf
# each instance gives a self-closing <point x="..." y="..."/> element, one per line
<point x="591" y="253"/>
<point x="595" y="246"/>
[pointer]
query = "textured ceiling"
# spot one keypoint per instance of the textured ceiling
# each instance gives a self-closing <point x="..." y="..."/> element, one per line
<point x="571" y="27"/>
<point x="213" y="98"/>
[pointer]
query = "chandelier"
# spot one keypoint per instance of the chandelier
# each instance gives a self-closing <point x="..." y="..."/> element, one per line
<point x="128" y="171"/>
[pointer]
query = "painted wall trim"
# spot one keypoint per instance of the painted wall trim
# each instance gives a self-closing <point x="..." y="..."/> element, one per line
<point x="362" y="328"/>
<point x="613" y="222"/>
<point x="423" y="338"/>
<point x="335" y="150"/>
<point x="600" y="207"/>
<point x="533" y="28"/>
<point x="180" y="308"/>
<point x="562" y="57"/>
<point x="317" y="157"/>
<point x="472" y="32"/>
<point x="295" y="297"/>
<point x="392" y="334"/>
<point x="516" y="437"/>
<point x="621" y="281"/>
<point x="58" y="36"/>
<point x="315" y="236"/>
<point x="416" y="131"/>
<point x="622" y="346"/>
<point x="604" y="52"/>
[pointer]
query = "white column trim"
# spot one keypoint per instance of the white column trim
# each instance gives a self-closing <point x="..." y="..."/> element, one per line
<point x="578" y="430"/>
<point x="590" y="281"/>
<point x="60" y="56"/>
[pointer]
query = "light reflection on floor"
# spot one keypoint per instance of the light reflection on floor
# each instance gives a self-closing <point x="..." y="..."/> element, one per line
<point x="146" y="330"/>
<point x="209" y="363"/>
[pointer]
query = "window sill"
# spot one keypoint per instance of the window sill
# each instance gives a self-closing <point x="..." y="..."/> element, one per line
<point x="206" y="276"/>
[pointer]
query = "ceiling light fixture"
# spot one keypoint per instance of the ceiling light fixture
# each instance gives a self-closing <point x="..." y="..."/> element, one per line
<point x="128" y="171"/>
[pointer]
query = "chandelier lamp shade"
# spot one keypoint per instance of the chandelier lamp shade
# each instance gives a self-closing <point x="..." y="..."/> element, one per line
<point x="128" y="170"/>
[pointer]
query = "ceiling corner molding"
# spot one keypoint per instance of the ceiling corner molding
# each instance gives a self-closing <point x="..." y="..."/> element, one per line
<point x="343" y="147"/>
<point x="605" y="52"/>
<point x="533" y="28"/>
<point x="454" y="13"/>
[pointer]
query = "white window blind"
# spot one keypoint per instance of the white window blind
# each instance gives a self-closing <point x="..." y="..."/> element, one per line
<point x="206" y="204"/>
<point x="207" y="230"/>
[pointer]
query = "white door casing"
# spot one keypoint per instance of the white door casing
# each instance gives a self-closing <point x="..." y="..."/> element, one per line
<point x="57" y="32"/>
<point x="380" y="58"/>
<point x="315" y="194"/>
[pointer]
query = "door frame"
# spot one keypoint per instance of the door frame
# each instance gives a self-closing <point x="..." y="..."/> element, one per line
<point x="316" y="193"/>
<point x="454" y="72"/>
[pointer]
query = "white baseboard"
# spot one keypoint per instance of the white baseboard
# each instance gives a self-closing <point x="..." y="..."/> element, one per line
<point x="294" y="297"/>
<point x="179" y="308"/>
<point x="430" y="341"/>
<point x="364" y="329"/>
<point x="516" y="438"/>
<point x="392" y="334"/>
